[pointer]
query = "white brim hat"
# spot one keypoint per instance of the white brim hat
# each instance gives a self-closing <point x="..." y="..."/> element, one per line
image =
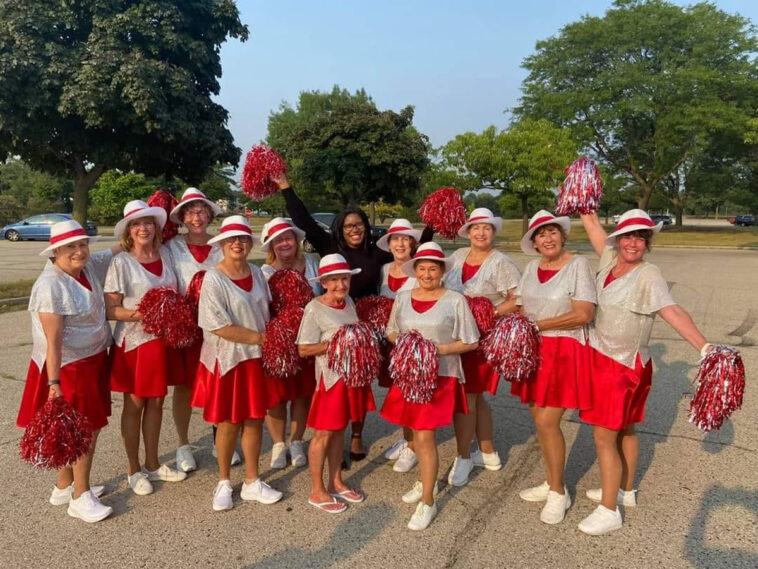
<point x="540" y="219"/>
<point x="192" y="195"/>
<point x="334" y="264"/>
<point x="65" y="232"/>
<point x="136" y="209"/>
<point x="399" y="227"/>
<point x="429" y="251"/>
<point x="232" y="226"/>
<point x="481" y="215"/>
<point x="633" y="220"/>
<point x="277" y="227"/>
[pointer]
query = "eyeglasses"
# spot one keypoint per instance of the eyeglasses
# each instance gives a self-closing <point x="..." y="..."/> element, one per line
<point x="244" y="239"/>
<point x="196" y="213"/>
<point x="350" y="227"/>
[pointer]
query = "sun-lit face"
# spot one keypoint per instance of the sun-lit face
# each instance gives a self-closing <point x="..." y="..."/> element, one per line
<point x="196" y="217"/>
<point x="401" y="247"/>
<point x="285" y="245"/>
<point x="142" y="231"/>
<point x="548" y="240"/>
<point x="337" y="286"/>
<point x="237" y="247"/>
<point x="428" y="274"/>
<point x="631" y="248"/>
<point x="481" y="235"/>
<point x="72" y="257"/>
<point x="353" y="230"/>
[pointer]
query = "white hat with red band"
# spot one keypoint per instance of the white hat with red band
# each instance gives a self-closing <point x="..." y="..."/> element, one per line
<point x="136" y="209"/>
<point x="65" y="232"/>
<point x="334" y="264"/>
<point x="399" y="227"/>
<point x="191" y="195"/>
<point x="429" y="251"/>
<point x="633" y="220"/>
<point x="275" y="228"/>
<point x="540" y="219"/>
<point x="233" y="226"/>
<point x="480" y="215"/>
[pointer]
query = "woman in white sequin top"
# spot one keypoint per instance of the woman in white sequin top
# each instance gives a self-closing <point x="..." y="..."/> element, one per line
<point x="630" y="292"/>
<point x="480" y="270"/>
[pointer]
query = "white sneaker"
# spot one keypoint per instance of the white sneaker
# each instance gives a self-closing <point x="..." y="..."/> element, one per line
<point x="624" y="498"/>
<point x="555" y="508"/>
<point x="488" y="460"/>
<point x="222" y="496"/>
<point x="140" y="484"/>
<point x="260" y="492"/>
<point x="416" y="493"/>
<point x="185" y="461"/>
<point x="422" y="517"/>
<point x="462" y="467"/>
<point x="235" y="457"/>
<point x="406" y="460"/>
<point x="279" y="455"/>
<point x="393" y="452"/>
<point x="535" y="493"/>
<point x="297" y="453"/>
<point x="60" y="497"/>
<point x="88" y="508"/>
<point x="601" y="521"/>
<point x="165" y="473"/>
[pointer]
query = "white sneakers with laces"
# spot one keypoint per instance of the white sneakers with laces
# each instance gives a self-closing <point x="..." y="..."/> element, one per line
<point x="297" y="453"/>
<point x="601" y="521"/>
<point x="222" y="496"/>
<point x="393" y="452"/>
<point x="165" y="473"/>
<point x="488" y="460"/>
<point x="406" y="460"/>
<point x="422" y="517"/>
<point x="555" y="507"/>
<point x="261" y="492"/>
<point x="185" y="460"/>
<point x="88" y="508"/>
<point x="60" y="497"/>
<point x="279" y="456"/>
<point x="627" y="498"/>
<point x="535" y="493"/>
<point x="416" y="493"/>
<point x="140" y="484"/>
<point x="460" y="471"/>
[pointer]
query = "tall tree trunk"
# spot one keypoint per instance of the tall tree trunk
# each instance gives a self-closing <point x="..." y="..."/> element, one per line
<point x="524" y="213"/>
<point x="647" y="191"/>
<point x="83" y="182"/>
<point x="679" y="213"/>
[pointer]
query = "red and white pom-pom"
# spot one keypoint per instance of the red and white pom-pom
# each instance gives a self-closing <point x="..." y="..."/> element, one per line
<point x="444" y="211"/>
<point x="167" y="314"/>
<point x="280" y="355"/>
<point x="581" y="190"/>
<point x="375" y="310"/>
<point x="512" y="347"/>
<point x="720" y="387"/>
<point x="354" y="354"/>
<point x="289" y="288"/>
<point x="193" y="290"/>
<point x="414" y="367"/>
<point x="56" y="437"/>
<point x="291" y="316"/>
<point x="165" y="200"/>
<point x="483" y="311"/>
<point x="261" y="164"/>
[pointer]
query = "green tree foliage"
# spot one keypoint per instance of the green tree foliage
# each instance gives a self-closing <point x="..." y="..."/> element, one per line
<point x="93" y="85"/>
<point x="647" y="85"/>
<point x="386" y="211"/>
<point x="340" y="148"/>
<point x="113" y="190"/>
<point x="25" y="191"/>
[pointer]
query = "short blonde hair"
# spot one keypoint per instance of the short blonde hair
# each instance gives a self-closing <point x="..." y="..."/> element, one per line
<point x="126" y="240"/>
<point x="271" y="256"/>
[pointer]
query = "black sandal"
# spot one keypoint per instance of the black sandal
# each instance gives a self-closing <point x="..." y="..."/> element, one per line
<point x="356" y="456"/>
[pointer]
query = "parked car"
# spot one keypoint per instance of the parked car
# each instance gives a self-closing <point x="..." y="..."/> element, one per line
<point x="325" y="221"/>
<point x="37" y="227"/>
<point x="744" y="220"/>
<point x="666" y="219"/>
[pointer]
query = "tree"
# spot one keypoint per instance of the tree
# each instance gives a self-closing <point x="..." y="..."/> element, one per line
<point x="647" y="85"/>
<point x="94" y="85"/>
<point x="27" y="191"/>
<point x="386" y="210"/>
<point x="114" y="189"/>
<point x="526" y="161"/>
<point x="339" y="146"/>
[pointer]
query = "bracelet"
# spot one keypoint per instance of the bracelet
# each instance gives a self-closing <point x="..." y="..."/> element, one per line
<point x="51" y="382"/>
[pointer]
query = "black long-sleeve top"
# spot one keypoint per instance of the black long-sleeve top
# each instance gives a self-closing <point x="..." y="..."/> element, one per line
<point x="370" y="260"/>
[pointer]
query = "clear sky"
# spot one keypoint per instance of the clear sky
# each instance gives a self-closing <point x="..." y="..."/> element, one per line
<point x="458" y="63"/>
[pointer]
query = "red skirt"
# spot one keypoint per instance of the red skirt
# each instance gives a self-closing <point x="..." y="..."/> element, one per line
<point x="480" y="376"/>
<point x="563" y="378"/>
<point x="302" y="385"/>
<point x="147" y="370"/>
<point x="332" y="410"/>
<point x="84" y="384"/>
<point x="244" y="392"/>
<point x="191" y="361"/>
<point x="618" y="392"/>
<point x="449" y="398"/>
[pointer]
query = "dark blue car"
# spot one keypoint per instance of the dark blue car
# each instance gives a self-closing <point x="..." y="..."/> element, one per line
<point x="37" y="227"/>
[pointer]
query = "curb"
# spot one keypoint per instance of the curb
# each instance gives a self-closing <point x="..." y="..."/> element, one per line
<point x="13" y="301"/>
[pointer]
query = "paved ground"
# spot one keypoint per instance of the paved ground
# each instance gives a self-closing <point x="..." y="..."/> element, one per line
<point x="698" y="494"/>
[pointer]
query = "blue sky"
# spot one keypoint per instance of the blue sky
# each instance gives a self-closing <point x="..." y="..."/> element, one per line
<point x="458" y="62"/>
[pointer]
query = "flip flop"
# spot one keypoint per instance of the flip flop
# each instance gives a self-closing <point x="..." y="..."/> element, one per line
<point x="348" y="496"/>
<point x="320" y="506"/>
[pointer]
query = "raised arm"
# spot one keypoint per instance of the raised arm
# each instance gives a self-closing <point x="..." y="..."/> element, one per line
<point x="595" y="232"/>
<point x="320" y="239"/>
<point x="680" y="320"/>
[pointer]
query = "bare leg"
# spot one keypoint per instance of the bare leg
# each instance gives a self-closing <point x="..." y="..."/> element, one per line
<point x="182" y="412"/>
<point x="553" y="445"/>
<point x="608" y="457"/>
<point x="65" y="478"/>
<point x="464" y="426"/>
<point x="298" y="417"/>
<point x="226" y="440"/>
<point x="131" y="419"/>
<point x="408" y="436"/>
<point x="334" y="455"/>
<point x="484" y="429"/>
<point x="356" y="438"/>
<point x="83" y="467"/>
<point x="428" y="461"/>
<point x="317" y="452"/>
<point x="151" y="430"/>
<point x="276" y="422"/>
<point x="252" y="433"/>
<point x="629" y="449"/>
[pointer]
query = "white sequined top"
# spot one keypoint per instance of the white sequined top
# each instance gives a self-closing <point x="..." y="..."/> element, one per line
<point x="449" y="320"/>
<point x="128" y="277"/>
<point x="223" y="303"/>
<point x="185" y="265"/>
<point x="495" y="277"/>
<point x="384" y="288"/>
<point x="311" y="271"/>
<point x="320" y="322"/>
<point x="626" y="309"/>
<point x="85" y="329"/>
<point x="574" y="281"/>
